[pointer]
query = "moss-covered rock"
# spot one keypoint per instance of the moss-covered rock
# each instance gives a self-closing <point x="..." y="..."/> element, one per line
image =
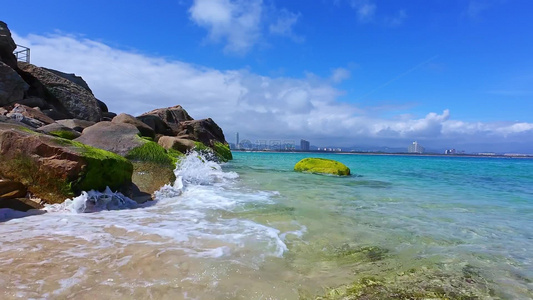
<point x="54" y="168"/>
<point x="103" y="169"/>
<point x="153" y="166"/>
<point x="222" y="151"/>
<point x="322" y="166"/>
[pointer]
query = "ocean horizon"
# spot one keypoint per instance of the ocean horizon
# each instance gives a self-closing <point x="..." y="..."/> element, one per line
<point x="402" y="227"/>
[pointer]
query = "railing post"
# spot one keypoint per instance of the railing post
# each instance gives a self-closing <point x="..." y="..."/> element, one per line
<point x="23" y="54"/>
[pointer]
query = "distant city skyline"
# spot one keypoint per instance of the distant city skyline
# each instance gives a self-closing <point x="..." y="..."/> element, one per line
<point x="449" y="74"/>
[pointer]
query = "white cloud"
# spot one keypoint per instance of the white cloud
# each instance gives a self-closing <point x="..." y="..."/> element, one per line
<point x="241" y="24"/>
<point x="259" y="107"/>
<point x="284" y="24"/>
<point x="340" y="74"/>
<point x="366" y="10"/>
<point x="237" y="22"/>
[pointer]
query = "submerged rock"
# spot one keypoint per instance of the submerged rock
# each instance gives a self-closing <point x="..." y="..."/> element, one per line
<point x="55" y="169"/>
<point x="322" y="166"/>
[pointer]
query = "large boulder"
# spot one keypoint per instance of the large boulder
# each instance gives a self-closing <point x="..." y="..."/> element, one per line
<point x="7" y="46"/>
<point x="12" y="86"/>
<point x="119" y="138"/>
<point x="157" y="124"/>
<point x="153" y="165"/>
<point x="144" y="129"/>
<point x="62" y="93"/>
<point x="72" y="78"/>
<point x="322" y="166"/>
<point x="172" y="116"/>
<point x="55" y="169"/>
<point x="205" y="131"/>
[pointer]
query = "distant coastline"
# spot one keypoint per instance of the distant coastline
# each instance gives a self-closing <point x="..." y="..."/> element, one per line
<point x="522" y="156"/>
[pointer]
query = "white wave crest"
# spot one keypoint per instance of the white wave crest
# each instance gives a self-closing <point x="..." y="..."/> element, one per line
<point x="195" y="169"/>
<point x="93" y="201"/>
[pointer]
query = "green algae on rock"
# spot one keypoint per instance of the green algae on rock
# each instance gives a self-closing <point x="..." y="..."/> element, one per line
<point x="55" y="169"/>
<point x="322" y="166"/>
<point x="219" y="151"/>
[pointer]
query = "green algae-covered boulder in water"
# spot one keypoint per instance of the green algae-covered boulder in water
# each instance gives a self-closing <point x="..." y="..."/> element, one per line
<point x="322" y="166"/>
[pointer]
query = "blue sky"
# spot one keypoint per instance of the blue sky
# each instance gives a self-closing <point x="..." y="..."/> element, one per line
<point x="448" y="73"/>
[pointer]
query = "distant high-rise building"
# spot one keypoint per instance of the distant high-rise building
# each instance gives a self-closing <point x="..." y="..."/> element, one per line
<point x="415" y="148"/>
<point x="304" y="145"/>
<point x="237" y="140"/>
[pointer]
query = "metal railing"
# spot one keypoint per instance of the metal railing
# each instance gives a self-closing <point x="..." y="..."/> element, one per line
<point x="22" y="53"/>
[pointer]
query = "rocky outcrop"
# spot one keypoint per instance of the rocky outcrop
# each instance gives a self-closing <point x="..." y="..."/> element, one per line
<point x="7" y="46"/>
<point x="144" y="129"/>
<point x="72" y="78"/>
<point x="57" y="139"/>
<point x="77" y="101"/>
<point x="113" y="137"/>
<point x="158" y="126"/>
<point x="172" y="116"/>
<point x="12" y="86"/>
<point x="322" y="166"/>
<point x="205" y="131"/>
<point x="55" y="169"/>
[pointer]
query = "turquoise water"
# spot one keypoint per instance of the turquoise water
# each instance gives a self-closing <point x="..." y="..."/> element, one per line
<point x="401" y="227"/>
<point x="449" y="212"/>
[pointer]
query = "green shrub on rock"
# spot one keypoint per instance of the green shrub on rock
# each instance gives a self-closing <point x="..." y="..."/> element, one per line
<point x="322" y="166"/>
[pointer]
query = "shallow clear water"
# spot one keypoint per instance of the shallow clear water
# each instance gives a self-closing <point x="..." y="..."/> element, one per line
<point x="257" y="230"/>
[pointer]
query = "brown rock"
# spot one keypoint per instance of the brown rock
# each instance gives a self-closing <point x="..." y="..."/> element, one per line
<point x="205" y="131"/>
<point x="113" y="137"/>
<point x="59" y="130"/>
<point x="12" y="86"/>
<point x="20" y="204"/>
<point x="144" y="129"/>
<point x="150" y="177"/>
<point x="31" y="113"/>
<point x="76" y="124"/>
<point x="172" y="116"/>
<point x="55" y="169"/>
<point x="179" y="144"/>
<point x="63" y="93"/>
<point x="11" y="189"/>
<point x="158" y="126"/>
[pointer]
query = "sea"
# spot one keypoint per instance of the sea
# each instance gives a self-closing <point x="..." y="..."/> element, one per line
<point x="400" y="227"/>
